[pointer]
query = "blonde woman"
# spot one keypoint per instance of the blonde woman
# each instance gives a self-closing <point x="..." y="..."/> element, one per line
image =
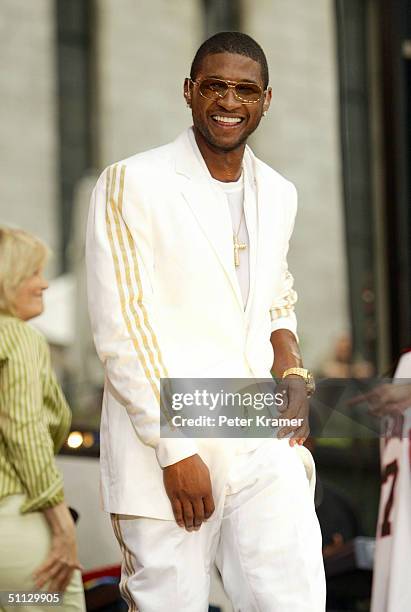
<point x="38" y="543"/>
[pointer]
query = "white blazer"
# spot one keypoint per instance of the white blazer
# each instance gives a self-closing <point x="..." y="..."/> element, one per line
<point x="164" y="300"/>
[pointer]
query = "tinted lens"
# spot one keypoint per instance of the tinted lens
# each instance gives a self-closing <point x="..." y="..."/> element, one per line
<point x="213" y="88"/>
<point x="249" y="92"/>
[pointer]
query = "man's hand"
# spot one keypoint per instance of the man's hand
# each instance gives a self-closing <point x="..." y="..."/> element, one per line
<point x="386" y="399"/>
<point x="287" y="355"/>
<point x="188" y="487"/>
<point x="296" y="407"/>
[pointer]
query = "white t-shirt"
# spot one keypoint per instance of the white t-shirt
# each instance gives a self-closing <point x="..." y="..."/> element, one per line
<point x="234" y="193"/>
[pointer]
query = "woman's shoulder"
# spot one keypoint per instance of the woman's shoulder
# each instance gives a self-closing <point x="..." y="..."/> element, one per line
<point x="18" y="336"/>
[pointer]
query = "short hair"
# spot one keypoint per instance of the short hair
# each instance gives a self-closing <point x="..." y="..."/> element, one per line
<point x="231" y="42"/>
<point x="21" y="255"/>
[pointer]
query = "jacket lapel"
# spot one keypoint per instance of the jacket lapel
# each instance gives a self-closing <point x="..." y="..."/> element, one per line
<point x="209" y="207"/>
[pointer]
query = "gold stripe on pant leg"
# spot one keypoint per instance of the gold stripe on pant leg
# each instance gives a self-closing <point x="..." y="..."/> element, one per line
<point x="127" y="566"/>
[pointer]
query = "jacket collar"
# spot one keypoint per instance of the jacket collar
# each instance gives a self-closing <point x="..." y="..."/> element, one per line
<point x="187" y="164"/>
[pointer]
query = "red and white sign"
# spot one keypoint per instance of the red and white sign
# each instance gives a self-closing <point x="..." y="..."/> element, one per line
<point x="391" y="590"/>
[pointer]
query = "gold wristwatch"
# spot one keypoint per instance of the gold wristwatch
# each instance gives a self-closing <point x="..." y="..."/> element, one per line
<point x="306" y="375"/>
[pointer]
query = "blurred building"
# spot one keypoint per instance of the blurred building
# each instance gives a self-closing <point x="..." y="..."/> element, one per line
<point x="373" y="46"/>
<point x="89" y="83"/>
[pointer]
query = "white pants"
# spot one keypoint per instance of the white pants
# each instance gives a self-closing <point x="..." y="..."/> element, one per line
<point x="266" y="542"/>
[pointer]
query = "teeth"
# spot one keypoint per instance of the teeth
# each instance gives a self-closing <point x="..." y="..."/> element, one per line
<point x="227" y="119"/>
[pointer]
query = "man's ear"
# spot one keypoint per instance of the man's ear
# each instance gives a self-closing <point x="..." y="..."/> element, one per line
<point x="267" y="99"/>
<point x="187" y="92"/>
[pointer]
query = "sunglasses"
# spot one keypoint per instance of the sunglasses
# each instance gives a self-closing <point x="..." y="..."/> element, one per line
<point x="213" y="89"/>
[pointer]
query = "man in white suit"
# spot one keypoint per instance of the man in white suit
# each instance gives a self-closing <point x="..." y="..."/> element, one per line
<point x="188" y="278"/>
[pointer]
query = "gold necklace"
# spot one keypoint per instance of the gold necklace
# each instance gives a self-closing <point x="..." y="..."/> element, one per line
<point x="237" y="245"/>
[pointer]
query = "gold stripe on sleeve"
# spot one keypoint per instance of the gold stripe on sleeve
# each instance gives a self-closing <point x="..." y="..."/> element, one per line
<point x="138" y="281"/>
<point x="121" y="265"/>
<point x="135" y="301"/>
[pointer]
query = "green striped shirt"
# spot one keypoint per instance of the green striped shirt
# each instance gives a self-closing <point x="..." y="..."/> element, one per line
<point x="34" y="417"/>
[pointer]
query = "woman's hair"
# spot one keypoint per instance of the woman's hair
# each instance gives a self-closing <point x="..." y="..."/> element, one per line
<point x="21" y="256"/>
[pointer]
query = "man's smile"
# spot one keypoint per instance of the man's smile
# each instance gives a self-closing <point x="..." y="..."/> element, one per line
<point x="225" y="121"/>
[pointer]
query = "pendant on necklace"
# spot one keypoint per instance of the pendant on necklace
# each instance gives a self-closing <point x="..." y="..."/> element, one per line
<point x="238" y="246"/>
